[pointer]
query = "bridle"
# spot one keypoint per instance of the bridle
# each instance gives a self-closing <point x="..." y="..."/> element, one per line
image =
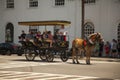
<point x="96" y="36"/>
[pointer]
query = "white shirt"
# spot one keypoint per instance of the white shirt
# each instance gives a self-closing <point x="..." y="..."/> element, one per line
<point x="113" y="45"/>
<point x="62" y="32"/>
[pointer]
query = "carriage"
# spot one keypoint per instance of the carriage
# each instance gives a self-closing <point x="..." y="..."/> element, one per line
<point x="42" y="48"/>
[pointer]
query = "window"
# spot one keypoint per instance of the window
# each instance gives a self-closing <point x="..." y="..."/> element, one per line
<point x="33" y="3"/>
<point x="9" y="33"/>
<point x="9" y="3"/>
<point x="88" y="29"/>
<point x="119" y="32"/>
<point x="33" y="28"/>
<point x="89" y="1"/>
<point x="59" y="2"/>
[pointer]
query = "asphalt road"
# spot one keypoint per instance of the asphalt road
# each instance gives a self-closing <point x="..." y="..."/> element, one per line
<point x="17" y="68"/>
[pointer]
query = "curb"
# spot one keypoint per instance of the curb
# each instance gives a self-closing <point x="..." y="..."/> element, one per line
<point x="106" y="59"/>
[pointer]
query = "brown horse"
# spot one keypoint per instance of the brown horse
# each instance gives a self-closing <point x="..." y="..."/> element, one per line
<point x="86" y="46"/>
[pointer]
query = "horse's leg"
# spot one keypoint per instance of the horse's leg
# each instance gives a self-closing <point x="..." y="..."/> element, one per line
<point x="88" y="62"/>
<point x="78" y="54"/>
<point x="73" y="54"/>
<point x="88" y="54"/>
<point x="82" y="53"/>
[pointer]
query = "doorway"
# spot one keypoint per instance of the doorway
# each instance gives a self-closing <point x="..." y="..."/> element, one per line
<point x="9" y="32"/>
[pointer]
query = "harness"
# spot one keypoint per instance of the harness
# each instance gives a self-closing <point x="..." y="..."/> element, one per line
<point x="89" y="42"/>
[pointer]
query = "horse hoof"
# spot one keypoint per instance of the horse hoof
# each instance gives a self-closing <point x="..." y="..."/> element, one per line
<point x="88" y="63"/>
<point x="73" y="62"/>
<point x="78" y="63"/>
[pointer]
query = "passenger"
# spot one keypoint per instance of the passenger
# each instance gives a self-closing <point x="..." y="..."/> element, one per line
<point x="56" y="36"/>
<point x="50" y="38"/>
<point x="63" y="33"/>
<point x="22" y="36"/>
<point x="38" y="36"/>
<point x="44" y="36"/>
<point x="30" y="37"/>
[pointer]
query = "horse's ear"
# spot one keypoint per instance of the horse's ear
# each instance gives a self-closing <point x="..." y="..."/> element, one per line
<point x="98" y="35"/>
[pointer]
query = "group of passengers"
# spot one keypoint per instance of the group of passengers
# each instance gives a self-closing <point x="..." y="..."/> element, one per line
<point x="45" y="36"/>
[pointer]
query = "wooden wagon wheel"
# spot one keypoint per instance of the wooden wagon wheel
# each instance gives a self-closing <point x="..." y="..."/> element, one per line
<point x="42" y="54"/>
<point x="64" y="55"/>
<point x="49" y="55"/>
<point x="30" y="54"/>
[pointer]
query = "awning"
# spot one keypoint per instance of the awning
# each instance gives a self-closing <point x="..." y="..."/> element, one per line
<point x="44" y="23"/>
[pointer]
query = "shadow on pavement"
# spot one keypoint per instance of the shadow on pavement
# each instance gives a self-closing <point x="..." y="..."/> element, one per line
<point x="24" y="60"/>
<point x="102" y="79"/>
<point x="79" y="63"/>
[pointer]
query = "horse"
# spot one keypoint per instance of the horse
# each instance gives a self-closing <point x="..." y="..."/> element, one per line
<point x="85" y="45"/>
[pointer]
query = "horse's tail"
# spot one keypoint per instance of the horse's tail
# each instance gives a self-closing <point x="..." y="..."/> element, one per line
<point x="73" y="43"/>
<point x="73" y="46"/>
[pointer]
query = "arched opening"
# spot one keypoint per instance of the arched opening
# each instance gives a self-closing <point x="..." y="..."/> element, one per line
<point x="118" y="34"/>
<point x="88" y="28"/>
<point x="9" y="33"/>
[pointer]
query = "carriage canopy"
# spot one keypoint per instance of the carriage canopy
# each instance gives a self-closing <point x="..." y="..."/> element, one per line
<point x="44" y="23"/>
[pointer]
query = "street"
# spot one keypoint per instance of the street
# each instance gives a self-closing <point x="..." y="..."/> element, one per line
<point x="17" y="68"/>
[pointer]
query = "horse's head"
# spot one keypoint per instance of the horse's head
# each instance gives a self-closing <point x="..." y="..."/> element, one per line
<point x="95" y="37"/>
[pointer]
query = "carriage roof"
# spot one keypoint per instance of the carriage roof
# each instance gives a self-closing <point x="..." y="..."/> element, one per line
<point x="45" y="23"/>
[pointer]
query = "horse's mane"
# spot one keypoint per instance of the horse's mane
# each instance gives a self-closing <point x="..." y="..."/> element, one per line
<point x="93" y="34"/>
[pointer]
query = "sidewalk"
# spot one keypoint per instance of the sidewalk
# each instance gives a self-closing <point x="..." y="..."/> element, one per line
<point x="105" y="59"/>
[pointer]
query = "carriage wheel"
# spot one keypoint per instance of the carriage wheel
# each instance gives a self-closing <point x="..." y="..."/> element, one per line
<point x="49" y="56"/>
<point x="64" y="56"/>
<point x="42" y="55"/>
<point x="30" y="54"/>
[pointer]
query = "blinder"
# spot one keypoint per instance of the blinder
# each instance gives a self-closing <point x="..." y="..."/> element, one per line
<point x="98" y="37"/>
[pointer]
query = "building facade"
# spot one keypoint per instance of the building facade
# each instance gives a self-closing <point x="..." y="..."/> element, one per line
<point x="100" y="16"/>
